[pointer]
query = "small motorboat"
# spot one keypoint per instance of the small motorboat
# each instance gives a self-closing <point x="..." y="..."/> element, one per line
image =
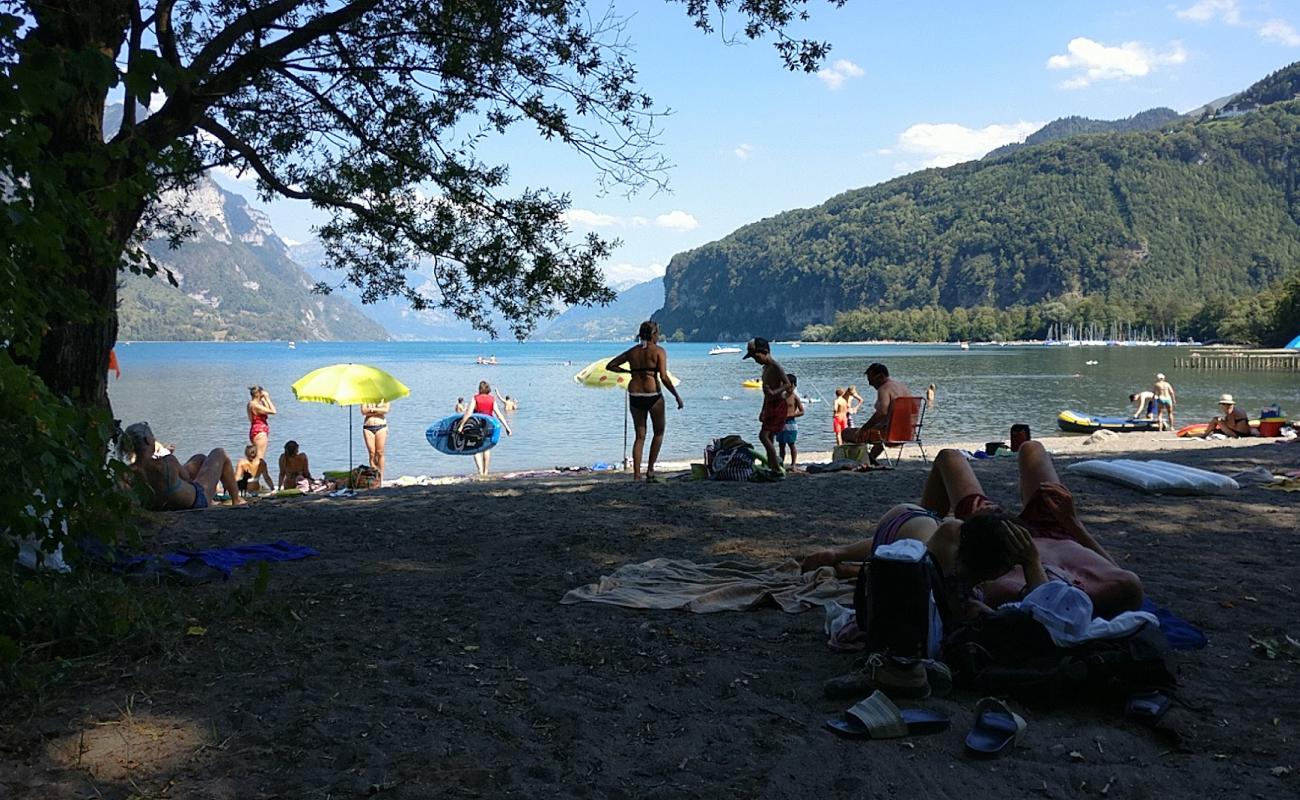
<point x="1074" y="422"/>
<point x="964" y="345"/>
<point x="719" y="350"/>
<point x="752" y="384"/>
<point x="794" y="344"/>
<point x="292" y="346"/>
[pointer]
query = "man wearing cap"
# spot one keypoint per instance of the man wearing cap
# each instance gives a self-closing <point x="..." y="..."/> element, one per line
<point x="776" y="388"/>
<point x="1165" y="400"/>
<point x="873" y="430"/>
<point x="1233" y="424"/>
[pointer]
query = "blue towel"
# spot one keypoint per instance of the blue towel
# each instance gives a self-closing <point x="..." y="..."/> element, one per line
<point x="1182" y="635"/>
<point x="226" y="559"/>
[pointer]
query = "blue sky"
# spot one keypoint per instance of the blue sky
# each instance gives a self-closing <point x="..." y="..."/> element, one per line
<point x="907" y="85"/>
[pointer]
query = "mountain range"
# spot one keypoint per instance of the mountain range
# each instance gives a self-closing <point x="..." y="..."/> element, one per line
<point x="1161" y="226"/>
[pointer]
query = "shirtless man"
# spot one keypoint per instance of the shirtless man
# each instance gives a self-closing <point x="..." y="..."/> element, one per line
<point x="873" y="430"/>
<point x="982" y="550"/>
<point x="1166" y="399"/>
<point x="776" y="389"/>
<point x="174" y="486"/>
<point x="294" y="471"/>
<point x="1232" y="422"/>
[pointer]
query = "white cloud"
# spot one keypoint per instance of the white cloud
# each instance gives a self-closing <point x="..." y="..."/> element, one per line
<point x="677" y="221"/>
<point x="638" y="222"/>
<point x="621" y="276"/>
<point x="1279" y="31"/>
<point x="1206" y="10"/>
<point x="590" y="219"/>
<point x="836" y="74"/>
<point x="744" y="151"/>
<point x="1095" y="61"/>
<point x="947" y="143"/>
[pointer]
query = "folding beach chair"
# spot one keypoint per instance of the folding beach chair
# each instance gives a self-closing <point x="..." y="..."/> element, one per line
<point x="903" y="426"/>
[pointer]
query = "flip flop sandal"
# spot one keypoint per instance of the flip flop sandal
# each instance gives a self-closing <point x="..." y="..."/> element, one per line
<point x="878" y="718"/>
<point x="1147" y="707"/>
<point x="997" y="729"/>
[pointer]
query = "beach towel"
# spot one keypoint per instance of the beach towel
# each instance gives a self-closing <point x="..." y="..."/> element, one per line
<point x="188" y="566"/>
<point x="663" y="583"/>
<point x="1182" y="635"/>
<point x="226" y="559"/>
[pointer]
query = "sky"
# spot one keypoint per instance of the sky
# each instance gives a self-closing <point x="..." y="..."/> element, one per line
<point x="906" y="86"/>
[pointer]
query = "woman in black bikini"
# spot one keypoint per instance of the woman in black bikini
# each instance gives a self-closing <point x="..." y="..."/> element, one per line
<point x="648" y="364"/>
<point x="374" y="427"/>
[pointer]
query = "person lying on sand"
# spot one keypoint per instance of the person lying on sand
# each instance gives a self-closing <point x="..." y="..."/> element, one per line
<point x="990" y="557"/>
<point x="171" y="485"/>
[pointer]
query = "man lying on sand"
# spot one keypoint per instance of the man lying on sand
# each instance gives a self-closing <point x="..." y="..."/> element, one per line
<point x="990" y="557"/>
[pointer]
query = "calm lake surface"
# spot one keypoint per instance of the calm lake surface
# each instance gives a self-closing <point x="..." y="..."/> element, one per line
<point x="193" y="394"/>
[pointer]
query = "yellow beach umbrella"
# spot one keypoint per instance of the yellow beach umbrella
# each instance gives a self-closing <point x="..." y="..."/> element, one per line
<point x="348" y="385"/>
<point x="595" y="376"/>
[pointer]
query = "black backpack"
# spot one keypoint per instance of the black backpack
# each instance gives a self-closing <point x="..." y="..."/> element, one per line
<point x="895" y="605"/>
<point x="1009" y="652"/>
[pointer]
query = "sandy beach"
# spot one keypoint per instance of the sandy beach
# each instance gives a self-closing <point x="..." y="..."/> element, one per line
<point x="424" y="653"/>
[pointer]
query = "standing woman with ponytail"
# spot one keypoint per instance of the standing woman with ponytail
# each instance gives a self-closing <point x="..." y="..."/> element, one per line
<point x="648" y="364"/>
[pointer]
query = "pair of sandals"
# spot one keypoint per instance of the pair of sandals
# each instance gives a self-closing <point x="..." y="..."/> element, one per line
<point x="997" y="729"/>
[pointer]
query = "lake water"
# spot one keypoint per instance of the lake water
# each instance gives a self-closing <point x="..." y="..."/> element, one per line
<point x="193" y="394"/>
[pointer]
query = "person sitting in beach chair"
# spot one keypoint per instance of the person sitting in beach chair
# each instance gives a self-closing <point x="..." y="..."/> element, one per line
<point x="873" y="431"/>
<point x="1232" y="422"/>
<point x="989" y="557"/>
<point x="171" y="485"/>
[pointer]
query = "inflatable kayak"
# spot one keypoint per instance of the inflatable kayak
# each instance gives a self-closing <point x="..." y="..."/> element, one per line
<point x="752" y="384"/>
<point x="480" y="433"/>
<point x="1074" y="422"/>
<point x="1199" y="428"/>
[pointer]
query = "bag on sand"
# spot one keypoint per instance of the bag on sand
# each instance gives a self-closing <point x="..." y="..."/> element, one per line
<point x="1009" y="652"/>
<point x="730" y="458"/>
<point x="363" y="476"/>
<point x="894" y="600"/>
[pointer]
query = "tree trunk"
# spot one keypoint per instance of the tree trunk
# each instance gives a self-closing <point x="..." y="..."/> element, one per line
<point x="73" y="358"/>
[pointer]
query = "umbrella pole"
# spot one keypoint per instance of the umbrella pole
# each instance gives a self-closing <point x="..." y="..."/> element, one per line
<point x="626" y="411"/>
<point x="349" y="410"/>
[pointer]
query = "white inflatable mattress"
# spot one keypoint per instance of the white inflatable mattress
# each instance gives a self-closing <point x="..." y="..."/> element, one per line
<point x="1156" y="477"/>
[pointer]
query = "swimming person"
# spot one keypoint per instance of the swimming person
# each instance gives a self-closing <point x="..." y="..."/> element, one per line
<point x="259" y="408"/>
<point x="484" y="404"/>
<point x="790" y="433"/>
<point x="461" y="405"/>
<point x="776" y="388"/>
<point x="506" y="403"/>
<point x="173" y="486"/>
<point x="251" y="470"/>
<point x="647" y="363"/>
<point x="374" y="427"/>
<point x="989" y="557"/>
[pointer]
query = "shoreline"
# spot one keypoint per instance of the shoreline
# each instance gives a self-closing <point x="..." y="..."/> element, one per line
<point x="1067" y="446"/>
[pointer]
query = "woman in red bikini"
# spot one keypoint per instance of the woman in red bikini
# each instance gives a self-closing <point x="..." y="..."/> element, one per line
<point x="647" y="362"/>
<point x="484" y="403"/>
<point x="259" y="408"/>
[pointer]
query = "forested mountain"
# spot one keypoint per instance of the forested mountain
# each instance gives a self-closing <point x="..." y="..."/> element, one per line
<point x="1150" y="120"/>
<point x="236" y="282"/>
<point x="1172" y="227"/>
<point x="1279" y="87"/>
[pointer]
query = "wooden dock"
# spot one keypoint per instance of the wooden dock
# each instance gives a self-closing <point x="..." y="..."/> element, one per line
<point x="1242" y="360"/>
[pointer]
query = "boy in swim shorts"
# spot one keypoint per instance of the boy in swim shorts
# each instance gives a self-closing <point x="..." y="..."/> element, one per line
<point x="790" y="433"/>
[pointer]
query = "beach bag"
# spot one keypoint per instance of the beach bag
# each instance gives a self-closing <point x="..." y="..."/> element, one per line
<point x="895" y="601"/>
<point x="1009" y="652"/>
<point x="363" y="476"/>
<point x="730" y="458"/>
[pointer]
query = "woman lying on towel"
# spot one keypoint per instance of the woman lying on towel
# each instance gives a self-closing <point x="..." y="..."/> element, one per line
<point x="171" y="485"/>
<point x="989" y="556"/>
